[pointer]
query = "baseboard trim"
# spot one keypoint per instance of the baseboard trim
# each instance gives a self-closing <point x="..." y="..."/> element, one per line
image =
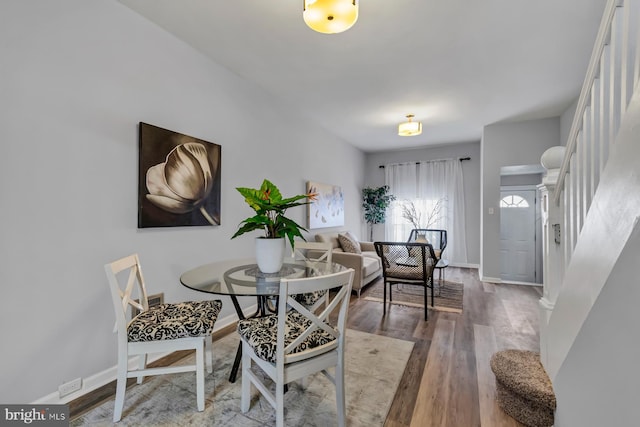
<point x="514" y="282"/>
<point x="490" y="279"/>
<point x="101" y="379"/>
<point x="464" y="265"/>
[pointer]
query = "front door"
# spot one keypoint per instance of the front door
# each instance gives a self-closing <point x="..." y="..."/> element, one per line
<point x="517" y="235"/>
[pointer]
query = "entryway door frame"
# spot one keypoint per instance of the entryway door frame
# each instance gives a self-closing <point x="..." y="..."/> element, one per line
<point x="537" y="233"/>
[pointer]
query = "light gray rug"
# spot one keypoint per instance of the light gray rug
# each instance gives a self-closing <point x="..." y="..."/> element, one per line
<point x="448" y="297"/>
<point x="374" y="367"/>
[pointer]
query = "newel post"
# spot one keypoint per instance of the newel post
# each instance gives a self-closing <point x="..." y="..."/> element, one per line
<point x="552" y="241"/>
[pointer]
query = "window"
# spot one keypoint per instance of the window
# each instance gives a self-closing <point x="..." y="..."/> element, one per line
<point x="513" y="201"/>
<point x="428" y="213"/>
<point x="428" y="184"/>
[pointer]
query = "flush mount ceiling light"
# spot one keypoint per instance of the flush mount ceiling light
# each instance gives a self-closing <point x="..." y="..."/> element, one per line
<point x="330" y="16"/>
<point x="409" y="128"/>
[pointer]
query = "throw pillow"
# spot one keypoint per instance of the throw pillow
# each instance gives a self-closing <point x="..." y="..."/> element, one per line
<point x="349" y="244"/>
<point x="353" y="237"/>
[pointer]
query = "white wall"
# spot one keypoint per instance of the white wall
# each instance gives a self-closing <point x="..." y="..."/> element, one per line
<point x="507" y="144"/>
<point x="374" y="177"/>
<point x="598" y="382"/>
<point x="516" y="180"/>
<point x="566" y="120"/>
<point x="77" y="77"/>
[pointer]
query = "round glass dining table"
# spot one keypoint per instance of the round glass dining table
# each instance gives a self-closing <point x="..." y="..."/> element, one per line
<point x="244" y="278"/>
<point x="237" y="278"/>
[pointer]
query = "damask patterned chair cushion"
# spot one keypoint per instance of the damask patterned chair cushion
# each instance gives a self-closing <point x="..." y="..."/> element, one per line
<point x="172" y="321"/>
<point x="309" y="298"/>
<point x="261" y="333"/>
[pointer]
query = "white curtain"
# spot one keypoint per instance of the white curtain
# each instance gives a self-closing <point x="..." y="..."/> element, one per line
<point x="429" y="185"/>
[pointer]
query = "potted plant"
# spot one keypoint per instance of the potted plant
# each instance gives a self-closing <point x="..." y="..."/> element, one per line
<point x="375" y="202"/>
<point x="414" y="216"/>
<point x="270" y="208"/>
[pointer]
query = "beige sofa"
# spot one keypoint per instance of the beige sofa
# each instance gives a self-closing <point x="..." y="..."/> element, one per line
<point x="367" y="264"/>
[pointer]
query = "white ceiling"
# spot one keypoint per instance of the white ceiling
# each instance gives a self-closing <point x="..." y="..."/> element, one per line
<point x="458" y="65"/>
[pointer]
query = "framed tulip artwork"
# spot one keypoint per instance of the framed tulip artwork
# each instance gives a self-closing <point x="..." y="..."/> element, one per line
<point x="327" y="210"/>
<point x="179" y="179"/>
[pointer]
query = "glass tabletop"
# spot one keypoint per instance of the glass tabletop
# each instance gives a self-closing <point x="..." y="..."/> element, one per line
<point x="244" y="278"/>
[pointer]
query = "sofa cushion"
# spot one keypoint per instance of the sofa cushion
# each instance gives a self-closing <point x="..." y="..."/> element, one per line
<point x="367" y="263"/>
<point x="348" y="243"/>
<point x="329" y="237"/>
<point x="370" y="263"/>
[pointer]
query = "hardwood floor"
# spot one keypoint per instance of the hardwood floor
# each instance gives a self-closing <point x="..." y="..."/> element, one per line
<point x="448" y="380"/>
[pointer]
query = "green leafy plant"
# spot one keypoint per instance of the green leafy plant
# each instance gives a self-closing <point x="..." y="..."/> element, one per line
<point x="270" y="207"/>
<point x="375" y="202"/>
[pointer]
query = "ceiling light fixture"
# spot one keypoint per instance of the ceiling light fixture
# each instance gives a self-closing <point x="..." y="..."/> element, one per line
<point x="409" y="128"/>
<point x="330" y="16"/>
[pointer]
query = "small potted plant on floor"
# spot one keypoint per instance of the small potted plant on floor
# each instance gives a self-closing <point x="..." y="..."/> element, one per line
<point x="270" y="208"/>
<point x="375" y="202"/>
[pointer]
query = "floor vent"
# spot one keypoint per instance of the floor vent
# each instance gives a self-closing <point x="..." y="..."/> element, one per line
<point x="153" y="300"/>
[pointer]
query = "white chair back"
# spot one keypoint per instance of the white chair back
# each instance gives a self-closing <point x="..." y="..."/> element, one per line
<point x="319" y="251"/>
<point x="299" y="358"/>
<point x="157" y="331"/>
<point x="289" y="288"/>
<point x="132" y="293"/>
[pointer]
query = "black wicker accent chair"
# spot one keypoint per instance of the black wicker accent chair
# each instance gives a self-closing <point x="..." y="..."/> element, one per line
<point x="409" y="263"/>
<point x="437" y="238"/>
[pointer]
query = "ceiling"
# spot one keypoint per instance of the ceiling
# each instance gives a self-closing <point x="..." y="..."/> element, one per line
<point x="458" y="65"/>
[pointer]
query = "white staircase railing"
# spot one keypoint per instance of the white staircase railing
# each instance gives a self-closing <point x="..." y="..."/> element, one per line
<point x="568" y="191"/>
<point x="613" y="72"/>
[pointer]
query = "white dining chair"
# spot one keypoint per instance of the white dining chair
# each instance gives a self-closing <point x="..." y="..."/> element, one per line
<point x="161" y="328"/>
<point x="296" y="343"/>
<point x="318" y="251"/>
<point x="313" y="251"/>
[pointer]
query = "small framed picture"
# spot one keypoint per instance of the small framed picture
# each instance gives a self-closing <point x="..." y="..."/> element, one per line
<point x="328" y="208"/>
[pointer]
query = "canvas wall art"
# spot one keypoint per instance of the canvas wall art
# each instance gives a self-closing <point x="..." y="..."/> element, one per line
<point x="328" y="208"/>
<point x="179" y="179"/>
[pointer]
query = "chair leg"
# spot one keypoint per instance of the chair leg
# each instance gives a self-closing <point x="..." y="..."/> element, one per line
<point x="142" y="364"/>
<point x="121" y="387"/>
<point x="200" y="374"/>
<point x="426" y="300"/>
<point x="280" y="405"/>
<point x="433" y="303"/>
<point x="384" y="298"/>
<point x="340" y="394"/>
<point x="208" y="346"/>
<point x="245" y="399"/>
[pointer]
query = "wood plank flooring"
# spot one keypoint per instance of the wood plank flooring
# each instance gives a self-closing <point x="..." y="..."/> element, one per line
<point x="448" y="380"/>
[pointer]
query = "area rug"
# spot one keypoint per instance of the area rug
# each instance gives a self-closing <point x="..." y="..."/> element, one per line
<point x="447" y="297"/>
<point x="374" y="367"/>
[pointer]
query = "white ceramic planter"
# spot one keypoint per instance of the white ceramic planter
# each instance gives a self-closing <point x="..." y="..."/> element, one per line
<point x="270" y="254"/>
